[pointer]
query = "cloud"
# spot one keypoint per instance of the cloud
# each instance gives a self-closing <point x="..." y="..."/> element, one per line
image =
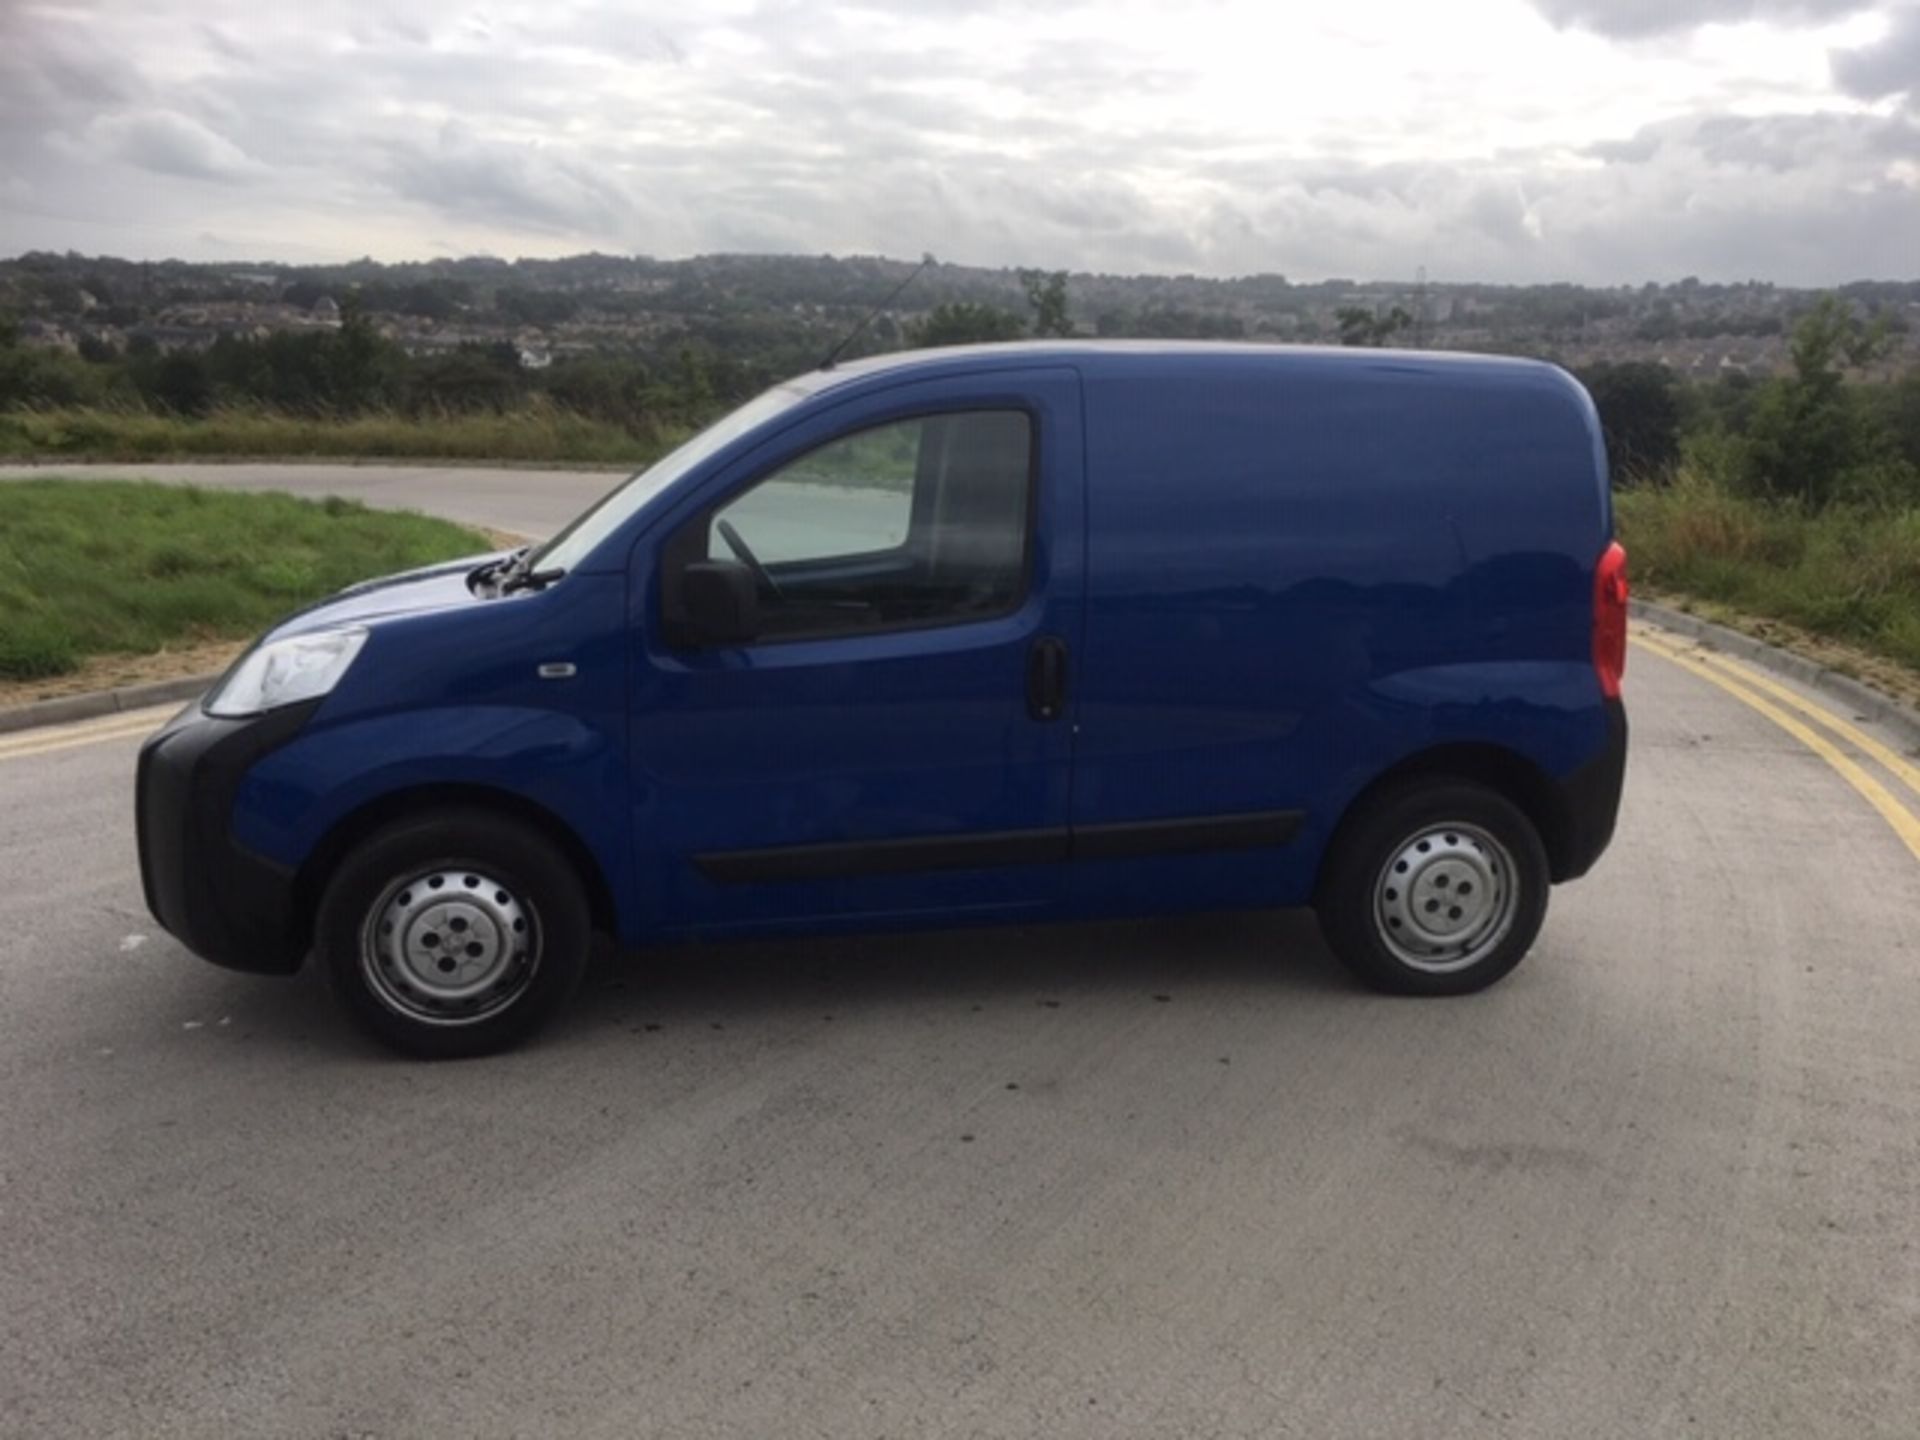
<point x="1782" y="144"/>
<point x="1889" y="66"/>
<point x="1228" y="136"/>
<point x="171" y="144"/>
<point x="1636" y="19"/>
<point x="522" y="185"/>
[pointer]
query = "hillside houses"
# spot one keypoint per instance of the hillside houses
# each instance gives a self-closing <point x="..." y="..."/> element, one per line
<point x="755" y="306"/>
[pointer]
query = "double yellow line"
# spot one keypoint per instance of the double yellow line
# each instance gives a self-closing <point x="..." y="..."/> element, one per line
<point x="1776" y="701"/>
<point x="128" y="725"/>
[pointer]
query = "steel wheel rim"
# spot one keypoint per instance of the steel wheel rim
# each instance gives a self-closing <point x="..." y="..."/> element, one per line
<point x="449" y="945"/>
<point x="1446" y="898"/>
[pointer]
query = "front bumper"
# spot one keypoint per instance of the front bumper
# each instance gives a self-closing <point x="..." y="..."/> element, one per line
<point x="220" y="900"/>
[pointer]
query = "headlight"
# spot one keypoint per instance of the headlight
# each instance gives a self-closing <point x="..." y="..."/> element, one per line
<point x="285" y="672"/>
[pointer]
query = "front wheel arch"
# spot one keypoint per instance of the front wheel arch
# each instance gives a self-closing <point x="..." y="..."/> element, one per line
<point x="314" y="874"/>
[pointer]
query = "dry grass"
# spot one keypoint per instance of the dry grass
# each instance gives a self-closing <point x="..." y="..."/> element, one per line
<point x="1848" y="572"/>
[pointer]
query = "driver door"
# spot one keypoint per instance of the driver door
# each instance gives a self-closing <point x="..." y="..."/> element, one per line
<point x="891" y="740"/>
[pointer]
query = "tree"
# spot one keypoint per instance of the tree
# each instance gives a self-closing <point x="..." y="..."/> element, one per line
<point x="302" y="294"/>
<point x="1047" y="295"/>
<point x="1639" y="407"/>
<point x="433" y="299"/>
<point x="361" y="362"/>
<point x="963" y="322"/>
<point x="607" y="387"/>
<point x="1898" y="407"/>
<point x="535" y="307"/>
<point x="472" y="377"/>
<point x="1360" y="326"/>
<point x="690" y="386"/>
<point x="1808" y="430"/>
<point x="33" y="375"/>
<point x="181" y="384"/>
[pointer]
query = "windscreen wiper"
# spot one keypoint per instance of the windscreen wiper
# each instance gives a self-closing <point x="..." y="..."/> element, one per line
<point x="525" y="578"/>
<point x="495" y="572"/>
<point x="518" y="575"/>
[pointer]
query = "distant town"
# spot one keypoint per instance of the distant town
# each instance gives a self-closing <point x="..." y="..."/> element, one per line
<point x="779" y="312"/>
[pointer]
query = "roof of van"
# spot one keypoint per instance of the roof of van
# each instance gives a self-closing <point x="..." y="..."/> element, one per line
<point x="1096" y="357"/>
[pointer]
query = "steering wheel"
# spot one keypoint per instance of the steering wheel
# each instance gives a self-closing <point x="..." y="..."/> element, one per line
<point x="744" y="554"/>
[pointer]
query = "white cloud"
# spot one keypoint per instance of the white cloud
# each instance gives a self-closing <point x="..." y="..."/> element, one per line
<point x="1889" y="65"/>
<point x="1505" y="139"/>
<point x="171" y="144"/>
<point x="1662" y="17"/>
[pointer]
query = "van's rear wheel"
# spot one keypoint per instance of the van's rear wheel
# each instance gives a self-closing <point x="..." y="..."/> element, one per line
<point x="455" y="933"/>
<point x="1434" y="887"/>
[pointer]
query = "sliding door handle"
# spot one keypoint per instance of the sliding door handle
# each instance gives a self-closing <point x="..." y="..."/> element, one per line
<point x="1047" y="678"/>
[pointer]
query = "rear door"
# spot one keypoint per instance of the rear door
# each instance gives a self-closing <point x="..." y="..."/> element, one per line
<point x="885" y="746"/>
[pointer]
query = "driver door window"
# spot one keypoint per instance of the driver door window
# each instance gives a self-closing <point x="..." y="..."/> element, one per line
<point x="913" y="523"/>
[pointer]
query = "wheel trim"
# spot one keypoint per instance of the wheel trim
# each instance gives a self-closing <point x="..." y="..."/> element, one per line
<point x="449" y="944"/>
<point x="1445" y="899"/>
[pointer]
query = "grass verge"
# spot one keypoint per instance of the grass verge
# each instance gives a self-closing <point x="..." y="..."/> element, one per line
<point x="535" y="433"/>
<point x="104" y="567"/>
<point x="1851" y="573"/>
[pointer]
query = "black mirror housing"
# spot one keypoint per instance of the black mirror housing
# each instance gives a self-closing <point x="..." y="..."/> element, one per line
<point x="719" y="603"/>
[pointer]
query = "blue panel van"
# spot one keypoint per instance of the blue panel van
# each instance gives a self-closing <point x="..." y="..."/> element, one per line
<point x="999" y="633"/>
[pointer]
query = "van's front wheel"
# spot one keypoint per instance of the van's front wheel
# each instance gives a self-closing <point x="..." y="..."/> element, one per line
<point x="1434" y="887"/>
<point x="456" y="933"/>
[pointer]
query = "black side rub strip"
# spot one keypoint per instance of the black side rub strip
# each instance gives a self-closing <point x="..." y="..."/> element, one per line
<point x="1253" y="831"/>
<point x="885" y="857"/>
<point x="986" y="849"/>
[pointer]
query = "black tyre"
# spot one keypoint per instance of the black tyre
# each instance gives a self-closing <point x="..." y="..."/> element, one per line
<point x="1434" y="886"/>
<point x="457" y="932"/>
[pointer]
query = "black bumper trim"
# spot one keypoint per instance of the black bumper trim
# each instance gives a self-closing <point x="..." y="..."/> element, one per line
<point x="217" y="898"/>
<point x="1589" y="801"/>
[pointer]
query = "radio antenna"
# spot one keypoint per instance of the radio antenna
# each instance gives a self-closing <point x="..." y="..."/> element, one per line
<point x="854" y="334"/>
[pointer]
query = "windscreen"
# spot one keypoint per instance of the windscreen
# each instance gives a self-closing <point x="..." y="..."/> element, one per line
<point x="573" y="544"/>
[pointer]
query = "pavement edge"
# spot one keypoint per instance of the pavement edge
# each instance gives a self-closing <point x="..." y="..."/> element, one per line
<point x="65" y="709"/>
<point x="1865" y="702"/>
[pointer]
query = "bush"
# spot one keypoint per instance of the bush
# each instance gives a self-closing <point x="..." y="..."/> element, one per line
<point x="1810" y="434"/>
<point x="965" y="323"/>
<point x="1850" y="570"/>
<point x="32" y="376"/>
<point x="1639" y="405"/>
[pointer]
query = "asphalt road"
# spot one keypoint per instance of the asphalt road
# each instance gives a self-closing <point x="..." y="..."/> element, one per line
<point x="524" y="502"/>
<point x="1169" y="1179"/>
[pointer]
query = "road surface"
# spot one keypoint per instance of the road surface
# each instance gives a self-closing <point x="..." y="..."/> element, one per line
<point x="522" y="502"/>
<point x="780" y="522"/>
<point x="1168" y="1179"/>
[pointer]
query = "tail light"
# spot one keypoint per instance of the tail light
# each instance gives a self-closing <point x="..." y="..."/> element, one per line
<point x="1610" y="619"/>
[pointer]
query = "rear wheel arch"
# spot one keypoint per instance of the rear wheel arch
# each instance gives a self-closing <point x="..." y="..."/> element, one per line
<point x="310" y="882"/>
<point x="1505" y="772"/>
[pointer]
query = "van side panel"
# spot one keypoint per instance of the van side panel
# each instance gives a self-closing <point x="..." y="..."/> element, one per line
<point x="1303" y="571"/>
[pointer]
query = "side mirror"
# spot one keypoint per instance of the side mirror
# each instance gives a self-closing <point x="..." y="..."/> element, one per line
<point x="719" y="603"/>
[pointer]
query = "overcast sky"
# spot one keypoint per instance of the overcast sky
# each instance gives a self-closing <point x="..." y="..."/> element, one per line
<point x="1591" y="140"/>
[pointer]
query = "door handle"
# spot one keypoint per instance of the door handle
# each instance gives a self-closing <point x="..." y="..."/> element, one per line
<point x="1047" y="678"/>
